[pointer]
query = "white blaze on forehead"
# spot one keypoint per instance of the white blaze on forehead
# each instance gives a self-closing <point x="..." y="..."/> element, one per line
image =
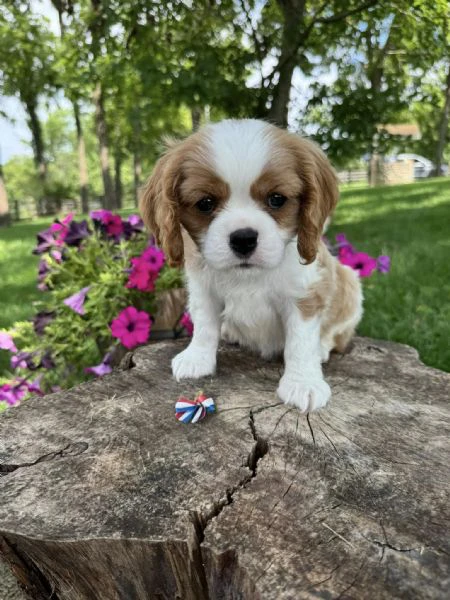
<point x="240" y="151"/>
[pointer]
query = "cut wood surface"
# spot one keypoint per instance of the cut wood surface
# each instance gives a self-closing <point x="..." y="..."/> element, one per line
<point x="104" y="495"/>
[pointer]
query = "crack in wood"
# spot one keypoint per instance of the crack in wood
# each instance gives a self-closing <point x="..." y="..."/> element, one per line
<point x="70" y="450"/>
<point x="201" y="520"/>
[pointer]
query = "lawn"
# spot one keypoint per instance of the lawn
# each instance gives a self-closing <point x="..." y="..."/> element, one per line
<point x="408" y="222"/>
<point x="411" y="223"/>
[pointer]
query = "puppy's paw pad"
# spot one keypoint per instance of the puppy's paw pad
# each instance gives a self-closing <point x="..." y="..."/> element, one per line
<point x="193" y="364"/>
<point x="305" y="394"/>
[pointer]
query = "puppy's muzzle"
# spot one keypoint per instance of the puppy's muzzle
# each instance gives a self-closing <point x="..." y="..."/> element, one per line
<point x="243" y="242"/>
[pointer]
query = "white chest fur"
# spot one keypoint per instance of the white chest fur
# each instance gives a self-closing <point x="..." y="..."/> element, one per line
<point x="252" y="300"/>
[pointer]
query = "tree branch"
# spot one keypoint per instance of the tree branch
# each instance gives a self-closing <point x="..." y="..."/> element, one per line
<point x="345" y="13"/>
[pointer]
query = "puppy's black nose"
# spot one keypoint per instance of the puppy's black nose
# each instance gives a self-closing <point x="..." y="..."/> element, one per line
<point x="243" y="241"/>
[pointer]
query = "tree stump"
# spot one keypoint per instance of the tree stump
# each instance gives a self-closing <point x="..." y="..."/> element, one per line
<point x="105" y="495"/>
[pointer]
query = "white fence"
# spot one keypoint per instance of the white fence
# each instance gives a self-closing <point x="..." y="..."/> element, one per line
<point x="353" y="176"/>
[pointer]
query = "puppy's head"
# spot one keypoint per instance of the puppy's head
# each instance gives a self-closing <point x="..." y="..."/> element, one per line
<point x="243" y="189"/>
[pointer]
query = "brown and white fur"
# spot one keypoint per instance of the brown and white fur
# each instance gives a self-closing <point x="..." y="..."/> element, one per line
<point x="287" y="294"/>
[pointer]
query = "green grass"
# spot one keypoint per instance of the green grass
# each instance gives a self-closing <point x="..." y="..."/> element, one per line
<point x="408" y="222"/>
<point x="18" y="270"/>
<point x="411" y="223"/>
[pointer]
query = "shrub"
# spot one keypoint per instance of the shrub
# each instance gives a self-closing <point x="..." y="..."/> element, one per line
<point x="100" y="280"/>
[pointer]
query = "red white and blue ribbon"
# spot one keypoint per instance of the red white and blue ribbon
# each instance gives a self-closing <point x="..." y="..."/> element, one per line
<point x="192" y="411"/>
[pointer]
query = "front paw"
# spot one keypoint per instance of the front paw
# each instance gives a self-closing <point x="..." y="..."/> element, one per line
<point x="307" y="394"/>
<point x="193" y="363"/>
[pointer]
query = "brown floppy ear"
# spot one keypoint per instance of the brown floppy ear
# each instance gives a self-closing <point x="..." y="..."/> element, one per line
<point x="318" y="199"/>
<point x="159" y="205"/>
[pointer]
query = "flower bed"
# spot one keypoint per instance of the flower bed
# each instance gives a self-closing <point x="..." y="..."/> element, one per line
<point x="105" y="287"/>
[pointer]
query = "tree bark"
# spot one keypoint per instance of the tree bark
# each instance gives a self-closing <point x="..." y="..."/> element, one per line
<point x="137" y="174"/>
<point x="82" y="161"/>
<point x="118" y="189"/>
<point x="102" y="135"/>
<point x="196" y="115"/>
<point x="108" y="496"/>
<point x="293" y="14"/>
<point x="443" y="125"/>
<point x="4" y="206"/>
<point x="37" y="139"/>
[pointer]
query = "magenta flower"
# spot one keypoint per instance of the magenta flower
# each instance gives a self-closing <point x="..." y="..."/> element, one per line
<point x="57" y="255"/>
<point x="345" y="252"/>
<point x="100" y="215"/>
<point x="343" y="244"/>
<point x="12" y="393"/>
<point x="23" y="360"/>
<point x="114" y="225"/>
<point x="142" y="275"/>
<point x="154" y="257"/>
<point x="131" y="327"/>
<point x="34" y="387"/>
<point x="187" y="323"/>
<point x="135" y="221"/>
<point x="6" y="342"/>
<point x="61" y="228"/>
<point x="384" y="264"/>
<point x="76" y="302"/>
<point x="361" y="262"/>
<point x="102" y="369"/>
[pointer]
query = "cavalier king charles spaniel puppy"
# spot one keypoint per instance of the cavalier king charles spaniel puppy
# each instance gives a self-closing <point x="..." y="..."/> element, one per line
<point x="243" y="205"/>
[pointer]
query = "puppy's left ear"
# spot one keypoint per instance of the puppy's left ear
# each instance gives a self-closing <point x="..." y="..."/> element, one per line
<point x="318" y="199"/>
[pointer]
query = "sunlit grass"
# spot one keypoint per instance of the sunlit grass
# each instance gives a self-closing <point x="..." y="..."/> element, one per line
<point x="409" y="222"/>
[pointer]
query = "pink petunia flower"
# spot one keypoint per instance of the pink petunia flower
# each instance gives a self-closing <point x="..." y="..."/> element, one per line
<point x="154" y="257"/>
<point x="187" y="323"/>
<point x="61" y="228"/>
<point x="76" y="302"/>
<point x="135" y="220"/>
<point x="100" y="215"/>
<point x="13" y="392"/>
<point x="57" y="255"/>
<point x="6" y="342"/>
<point x="345" y="251"/>
<point x="102" y="369"/>
<point x="34" y="387"/>
<point x="361" y="262"/>
<point x="114" y="225"/>
<point x="142" y="275"/>
<point x="131" y="327"/>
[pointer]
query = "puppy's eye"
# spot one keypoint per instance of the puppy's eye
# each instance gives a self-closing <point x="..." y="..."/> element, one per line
<point x="206" y="205"/>
<point x="276" y="200"/>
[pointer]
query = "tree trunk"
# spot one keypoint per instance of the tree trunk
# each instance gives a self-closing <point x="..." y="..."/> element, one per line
<point x="107" y="495"/>
<point x="279" y="110"/>
<point x="37" y="139"/>
<point x="137" y="173"/>
<point x="118" y="179"/>
<point x="4" y="207"/>
<point x="102" y="135"/>
<point x="82" y="161"/>
<point x="443" y="126"/>
<point x="196" y="115"/>
<point x="293" y="12"/>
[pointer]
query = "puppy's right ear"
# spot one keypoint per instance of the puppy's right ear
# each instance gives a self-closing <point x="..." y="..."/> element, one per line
<point x="159" y="205"/>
